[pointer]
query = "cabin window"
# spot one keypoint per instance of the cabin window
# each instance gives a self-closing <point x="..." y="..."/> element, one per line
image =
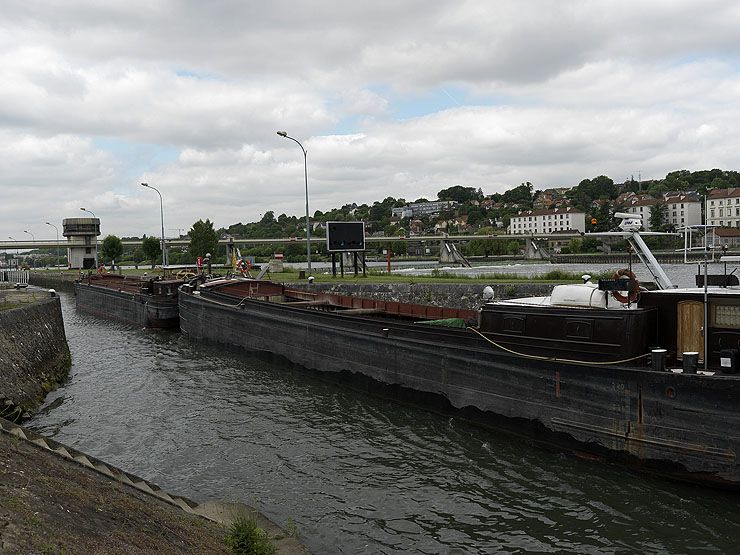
<point x="513" y="324"/>
<point x="578" y="329"/>
<point x="727" y="316"/>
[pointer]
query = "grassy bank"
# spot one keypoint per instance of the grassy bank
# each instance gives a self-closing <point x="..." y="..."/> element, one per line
<point x="52" y="505"/>
<point x="378" y="276"/>
<point x="439" y="276"/>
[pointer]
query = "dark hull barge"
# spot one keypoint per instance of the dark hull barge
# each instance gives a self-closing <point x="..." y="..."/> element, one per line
<point x="579" y="371"/>
<point x="150" y="303"/>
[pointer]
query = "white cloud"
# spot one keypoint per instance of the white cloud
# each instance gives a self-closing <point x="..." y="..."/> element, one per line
<point x="188" y="96"/>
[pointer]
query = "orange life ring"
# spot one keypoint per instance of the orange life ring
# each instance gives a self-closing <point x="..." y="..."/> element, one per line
<point x="102" y="270"/>
<point x="244" y="266"/>
<point x="633" y="293"/>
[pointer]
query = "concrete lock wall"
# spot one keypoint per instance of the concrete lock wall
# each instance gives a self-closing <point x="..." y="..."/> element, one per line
<point x="468" y="296"/>
<point x="63" y="281"/>
<point x="34" y="356"/>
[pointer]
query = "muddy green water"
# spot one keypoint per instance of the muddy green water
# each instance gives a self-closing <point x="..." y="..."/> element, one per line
<point x="355" y="472"/>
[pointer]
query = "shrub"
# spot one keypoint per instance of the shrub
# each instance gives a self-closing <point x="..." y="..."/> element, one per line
<point x="246" y="538"/>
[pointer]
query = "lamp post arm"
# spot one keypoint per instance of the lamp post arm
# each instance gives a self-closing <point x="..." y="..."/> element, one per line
<point x="161" y="216"/>
<point x="305" y="174"/>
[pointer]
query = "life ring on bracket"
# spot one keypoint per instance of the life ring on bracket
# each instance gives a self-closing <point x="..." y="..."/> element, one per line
<point x="633" y="293"/>
<point x="102" y="270"/>
<point x="244" y="266"/>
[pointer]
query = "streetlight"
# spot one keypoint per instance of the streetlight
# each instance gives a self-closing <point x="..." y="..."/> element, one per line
<point x="33" y="238"/>
<point x="161" y="215"/>
<point x="305" y="173"/>
<point x="16" y="250"/>
<point x="96" y="234"/>
<point x="57" y="230"/>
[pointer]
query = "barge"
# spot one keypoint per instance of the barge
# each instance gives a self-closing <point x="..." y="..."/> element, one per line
<point x="139" y="301"/>
<point x="609" y="368"/>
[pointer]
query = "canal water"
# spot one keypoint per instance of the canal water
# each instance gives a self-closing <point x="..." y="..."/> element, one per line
<point x="356" y="473"/>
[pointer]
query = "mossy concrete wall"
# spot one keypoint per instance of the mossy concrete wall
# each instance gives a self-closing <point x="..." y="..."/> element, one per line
<point x="468" y="296"/>
<point x="34" y="355"/>
<point x="61" y="281"/>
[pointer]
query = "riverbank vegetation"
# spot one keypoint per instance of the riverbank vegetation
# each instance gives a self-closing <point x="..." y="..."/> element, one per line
<point x="440" y="276"/>
<point x="461" y="210"/>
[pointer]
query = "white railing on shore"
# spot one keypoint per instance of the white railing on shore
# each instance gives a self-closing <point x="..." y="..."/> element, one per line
<point x="15" y="276"/>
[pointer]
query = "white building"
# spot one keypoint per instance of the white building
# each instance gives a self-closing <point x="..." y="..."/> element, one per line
<point x="684" y="209"/>
<point x="548" y="221"/>
<point x="723" y="207"/>
<point x="417" y="209"/>
<point x="641" y="207"/>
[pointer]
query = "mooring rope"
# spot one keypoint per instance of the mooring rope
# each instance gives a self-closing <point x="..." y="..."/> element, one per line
<point x="214" y="301"/>
<point x="524" y="355"/>
<point x="555" y="359"/>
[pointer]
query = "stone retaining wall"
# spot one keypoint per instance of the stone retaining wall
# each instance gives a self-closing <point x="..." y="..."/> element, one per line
<point x="34" y="356"/>
<point x="59" y="281"/>
<point x="468" y="296"/>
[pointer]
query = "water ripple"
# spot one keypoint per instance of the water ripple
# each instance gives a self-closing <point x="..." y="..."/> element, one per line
<point x="356" y="473"/>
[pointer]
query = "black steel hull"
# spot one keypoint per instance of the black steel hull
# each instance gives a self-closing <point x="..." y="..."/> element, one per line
<point x="149" y="311"/>
<point x="688" y="425"/>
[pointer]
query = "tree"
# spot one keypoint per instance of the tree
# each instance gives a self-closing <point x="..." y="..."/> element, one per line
<point x="203" y="239"/>
<point x="589" y="190"/>
<point x="460" y="194"/>
<point x="111" y="248"/>
<point x="151" y="248"/>
<point x="658" y="216"/>
<point x="519" y="195"/>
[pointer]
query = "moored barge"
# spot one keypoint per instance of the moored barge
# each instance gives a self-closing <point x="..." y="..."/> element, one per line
<point x="139" y="301"/>
<point x="581" y="365"/>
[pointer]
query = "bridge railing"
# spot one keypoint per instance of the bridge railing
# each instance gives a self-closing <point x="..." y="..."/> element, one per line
<point x="15" y="276"/>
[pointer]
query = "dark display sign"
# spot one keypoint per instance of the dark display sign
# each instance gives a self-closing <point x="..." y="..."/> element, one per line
<point x="345" y="236"/>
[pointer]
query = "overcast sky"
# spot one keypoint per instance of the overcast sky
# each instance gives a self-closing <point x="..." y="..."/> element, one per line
<point x="389" y="98"/>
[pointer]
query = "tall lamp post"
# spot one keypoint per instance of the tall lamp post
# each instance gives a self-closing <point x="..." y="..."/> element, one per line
<point x="305" y="173"/>
<point x="96" y="235"/>
<point x="57" y="230"/>
<point x="33" y="238"/>
<point x="16" y="250"/>
<point x="161" y="215"/>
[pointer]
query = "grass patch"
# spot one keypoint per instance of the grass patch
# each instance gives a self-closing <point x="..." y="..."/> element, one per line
<point x="246" y="538"/>
<point x="442" y="276"/>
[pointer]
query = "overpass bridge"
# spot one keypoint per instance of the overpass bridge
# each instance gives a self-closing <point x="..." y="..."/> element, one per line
<point x="533" y="242"/>
<point x="51" y="244"/>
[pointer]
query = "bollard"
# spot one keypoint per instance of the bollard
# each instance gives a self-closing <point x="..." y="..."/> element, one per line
<point x="690" y="362"/>
<point x="52" y="293"/>
<point x="658" y="359"/>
